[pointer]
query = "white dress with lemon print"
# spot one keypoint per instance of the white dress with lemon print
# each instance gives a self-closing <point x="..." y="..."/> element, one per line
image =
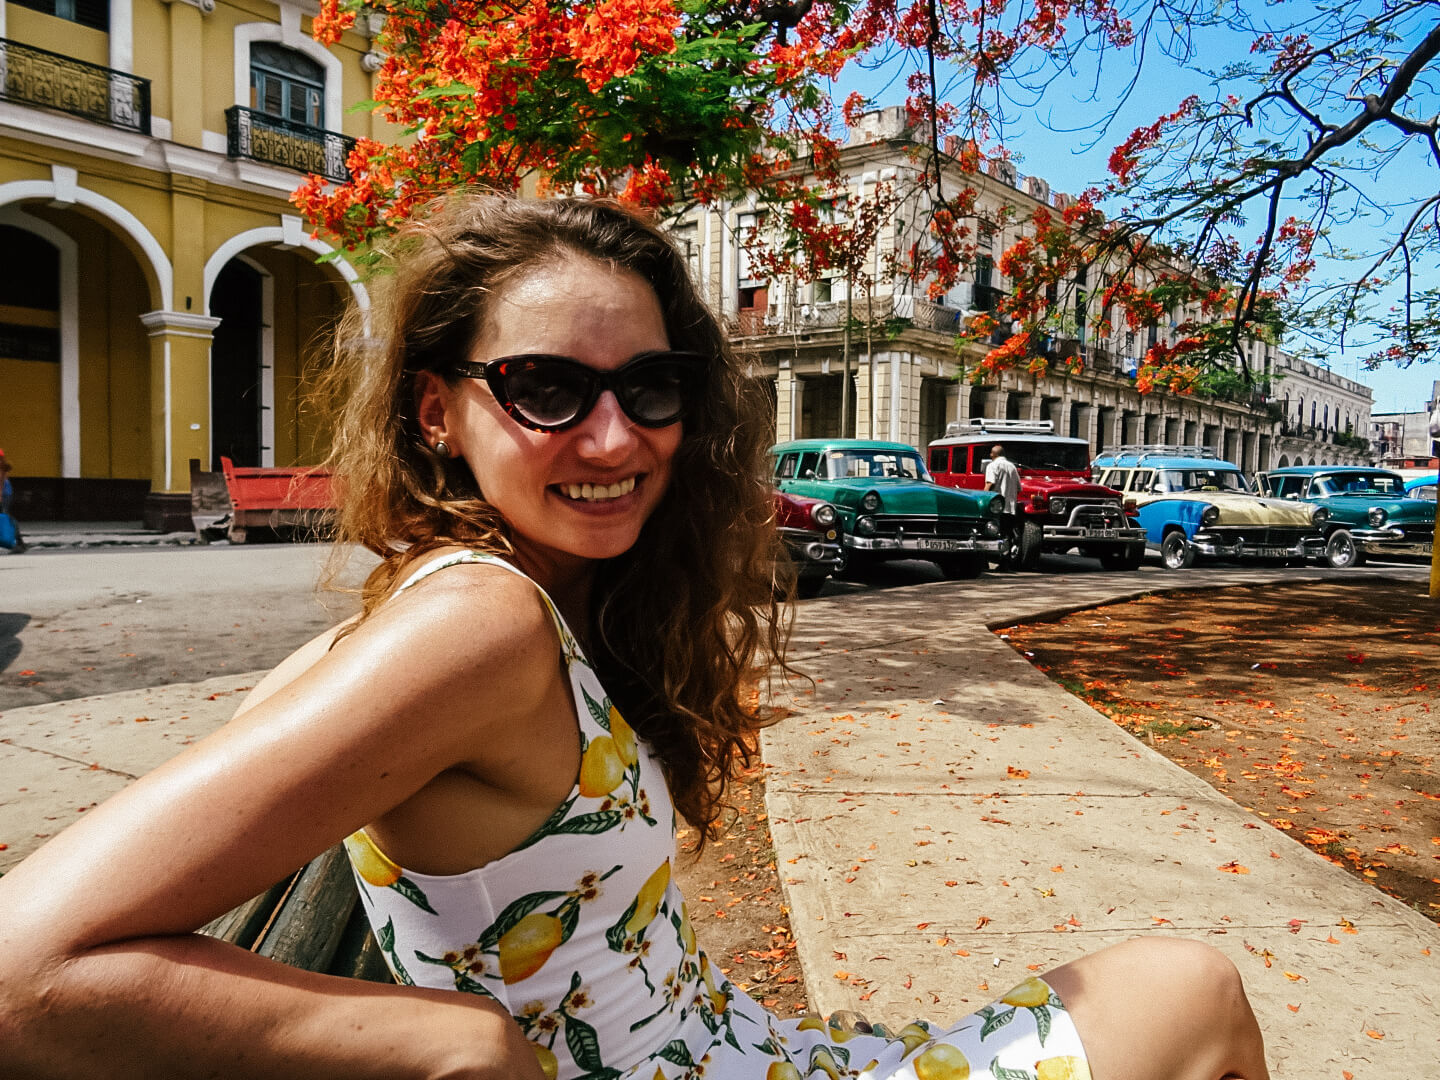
<point x="582" y="935"/>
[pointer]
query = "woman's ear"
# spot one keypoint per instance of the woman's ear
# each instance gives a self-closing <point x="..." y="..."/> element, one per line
<point x="432" y="407"/>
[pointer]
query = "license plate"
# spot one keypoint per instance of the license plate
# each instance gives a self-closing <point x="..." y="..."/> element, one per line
<point x="939" y="545"/>
<point x="1427" y="549"/>
<point x="1267" y="552"/>
<point x="1104" y="534"/>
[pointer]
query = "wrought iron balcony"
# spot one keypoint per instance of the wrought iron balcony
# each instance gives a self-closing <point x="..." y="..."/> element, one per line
<point x="276" y="141"/>
<point x="31" y="76"/>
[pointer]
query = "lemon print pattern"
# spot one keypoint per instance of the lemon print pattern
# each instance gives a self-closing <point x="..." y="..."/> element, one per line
<point x="942" y="1062"/>
<point x="1068" y="1067"/>
<point x="526" y="946"/>
<point x="1028" y="994"/>
<point x="601" y="768"/>
<point x="373" y="867"/>
<point x="581" y="935"/>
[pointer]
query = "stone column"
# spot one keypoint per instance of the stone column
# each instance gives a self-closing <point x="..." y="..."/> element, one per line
<point x="787" y="400"/>
<point x="179" y="411"/>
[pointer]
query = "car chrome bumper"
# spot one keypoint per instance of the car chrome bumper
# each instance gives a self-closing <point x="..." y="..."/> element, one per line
<point x="926" y="545"/>
<point x="1383" y="542"/>
<point x="1220" y="547"/>
<point x="1084" y="534"/>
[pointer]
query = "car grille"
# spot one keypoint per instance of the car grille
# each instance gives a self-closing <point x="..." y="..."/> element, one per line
<point x="898" y="525"/>
<point x="1259" y="536"/>
<point x="1417" y="534"/>
<point x="1098" y="516"/>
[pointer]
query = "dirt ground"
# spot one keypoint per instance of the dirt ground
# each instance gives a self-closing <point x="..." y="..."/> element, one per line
<point x="1314" y="706"/>
<point x="733" y="893"/>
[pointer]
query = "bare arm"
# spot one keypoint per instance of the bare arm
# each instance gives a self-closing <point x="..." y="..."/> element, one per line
<point x="100" y="974"/>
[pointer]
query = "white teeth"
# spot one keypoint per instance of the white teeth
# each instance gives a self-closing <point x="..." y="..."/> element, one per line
<point x="599" y="492"/>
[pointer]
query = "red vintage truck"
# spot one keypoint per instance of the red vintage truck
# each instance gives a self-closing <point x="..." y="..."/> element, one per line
<point x="1059" y="507"/>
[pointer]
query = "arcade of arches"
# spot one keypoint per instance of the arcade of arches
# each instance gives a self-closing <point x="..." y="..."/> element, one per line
<point x="107" y="395"/>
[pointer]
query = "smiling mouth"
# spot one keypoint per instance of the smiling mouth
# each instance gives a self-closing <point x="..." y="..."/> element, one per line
<point x="597" y="492"/>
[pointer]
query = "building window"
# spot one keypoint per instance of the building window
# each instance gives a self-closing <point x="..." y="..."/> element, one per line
<point x="286" y="84"/>
<point x="92" y="13"/>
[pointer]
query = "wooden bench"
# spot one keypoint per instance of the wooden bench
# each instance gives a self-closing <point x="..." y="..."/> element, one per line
<point x="311" y="920"/>
<point x="244" y="497"/>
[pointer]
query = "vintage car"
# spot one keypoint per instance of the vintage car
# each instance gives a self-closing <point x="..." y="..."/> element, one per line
<point x="810" y="529"/>
<point x="1059" y="506"/>
<point x="1369" y="512"/>
<point x="1423" y="487"/>
<point x="889" y="507"/>
<point x="1191" y="503"/>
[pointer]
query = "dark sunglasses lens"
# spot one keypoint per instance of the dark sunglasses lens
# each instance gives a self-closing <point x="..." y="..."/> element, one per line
<point x="547" y="391"/>
<point x="654" y="392"/>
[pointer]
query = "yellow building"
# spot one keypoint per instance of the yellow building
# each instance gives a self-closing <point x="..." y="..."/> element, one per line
<point x="160" y="300"/>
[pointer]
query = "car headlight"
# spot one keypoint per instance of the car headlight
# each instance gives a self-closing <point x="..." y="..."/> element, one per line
<point x="1378" y="516"/>
<point x="823" y="515"/>
<point x="992" y="527"/>
<point x="1057" y="506"/>
<point x="996" y="507"/>
<point x="870" y="502"/>
<point x="1210" y="515"/>
<point x="865" y="526"/>
<point x="1319" y="516"/>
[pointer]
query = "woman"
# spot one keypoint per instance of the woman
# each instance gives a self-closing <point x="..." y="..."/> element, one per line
<point x="551" y="448"/>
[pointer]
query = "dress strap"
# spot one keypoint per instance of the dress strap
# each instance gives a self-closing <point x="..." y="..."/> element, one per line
<point x="568" y="642"/>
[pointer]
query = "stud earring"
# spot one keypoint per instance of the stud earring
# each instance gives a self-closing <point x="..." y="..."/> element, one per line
<point x="442" y="448"/>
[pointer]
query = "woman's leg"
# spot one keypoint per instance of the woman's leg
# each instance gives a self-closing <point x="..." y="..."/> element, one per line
<point x="1158" y="1008"/>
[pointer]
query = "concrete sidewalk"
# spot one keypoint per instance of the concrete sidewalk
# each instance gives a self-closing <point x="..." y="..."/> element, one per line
<point x="946" y="817"/>
<point x="924" y="877"/>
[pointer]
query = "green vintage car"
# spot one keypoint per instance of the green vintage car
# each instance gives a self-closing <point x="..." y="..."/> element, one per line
<point x="1369" y="512"/>
<point x="889" y="506"/>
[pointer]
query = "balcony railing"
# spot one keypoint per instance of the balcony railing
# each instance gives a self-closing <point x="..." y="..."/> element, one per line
<point x="31" y="76"/>
<point x="277" y="141"/>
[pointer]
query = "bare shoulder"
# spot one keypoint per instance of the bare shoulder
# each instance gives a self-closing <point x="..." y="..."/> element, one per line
<point x="464" y="615"/>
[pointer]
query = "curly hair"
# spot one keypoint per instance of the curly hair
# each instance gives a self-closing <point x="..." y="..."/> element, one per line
<point x="682" y="621"/>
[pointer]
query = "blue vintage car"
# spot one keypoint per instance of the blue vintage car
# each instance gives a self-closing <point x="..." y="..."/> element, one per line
<point x="1369" y="511"/>
<point x="1423" y="487"/>
<point x="889" y="506"/>
<point x="1191" y="503"/>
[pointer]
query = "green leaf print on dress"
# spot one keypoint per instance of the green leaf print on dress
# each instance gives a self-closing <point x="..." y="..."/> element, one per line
<point x="375" y="868"/>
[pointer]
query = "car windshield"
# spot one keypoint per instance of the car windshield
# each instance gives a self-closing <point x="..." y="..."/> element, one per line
<point x="1424" y="491"/>
<point x="1376" y="483"/>
<point x="1169" y="480"/>
<point x="1042" y="454"/>
<point x="864" y="462"/>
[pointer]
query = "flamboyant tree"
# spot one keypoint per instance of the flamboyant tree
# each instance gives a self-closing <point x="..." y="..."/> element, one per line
<point x="1213" y="216"/>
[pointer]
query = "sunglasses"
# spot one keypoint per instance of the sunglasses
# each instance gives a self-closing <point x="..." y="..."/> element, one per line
<point x="552" y="393"/>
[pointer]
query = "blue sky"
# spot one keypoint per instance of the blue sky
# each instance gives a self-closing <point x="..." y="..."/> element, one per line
<point x="1051" y="141"/>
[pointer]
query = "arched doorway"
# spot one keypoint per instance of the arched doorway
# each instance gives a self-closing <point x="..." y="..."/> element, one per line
<point x="30" y="408"/>
<point x="237" y="359"/>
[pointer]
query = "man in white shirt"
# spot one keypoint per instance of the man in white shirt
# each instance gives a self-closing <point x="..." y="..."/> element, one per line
<point x="1003" y="478"/>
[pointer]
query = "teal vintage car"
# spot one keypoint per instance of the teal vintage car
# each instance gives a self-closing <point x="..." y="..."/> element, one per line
<point x="1369" y="512"/>
<point x="889" y="506"/>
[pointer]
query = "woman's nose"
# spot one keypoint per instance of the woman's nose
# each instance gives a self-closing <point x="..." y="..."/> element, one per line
<point x="607" y="433"/>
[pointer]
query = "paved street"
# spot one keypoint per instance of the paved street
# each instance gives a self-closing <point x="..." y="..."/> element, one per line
<point x="74" y="623"/>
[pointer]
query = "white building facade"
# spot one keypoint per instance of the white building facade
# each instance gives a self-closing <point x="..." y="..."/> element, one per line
<point x="907" y="370"/>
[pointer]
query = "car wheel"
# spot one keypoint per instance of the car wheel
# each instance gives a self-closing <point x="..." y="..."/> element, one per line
<point x="1342" y="552"/>
<point x="1176" y="552"/>
<point x="1031" y="539"/>
<point x="964" y="567"/>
